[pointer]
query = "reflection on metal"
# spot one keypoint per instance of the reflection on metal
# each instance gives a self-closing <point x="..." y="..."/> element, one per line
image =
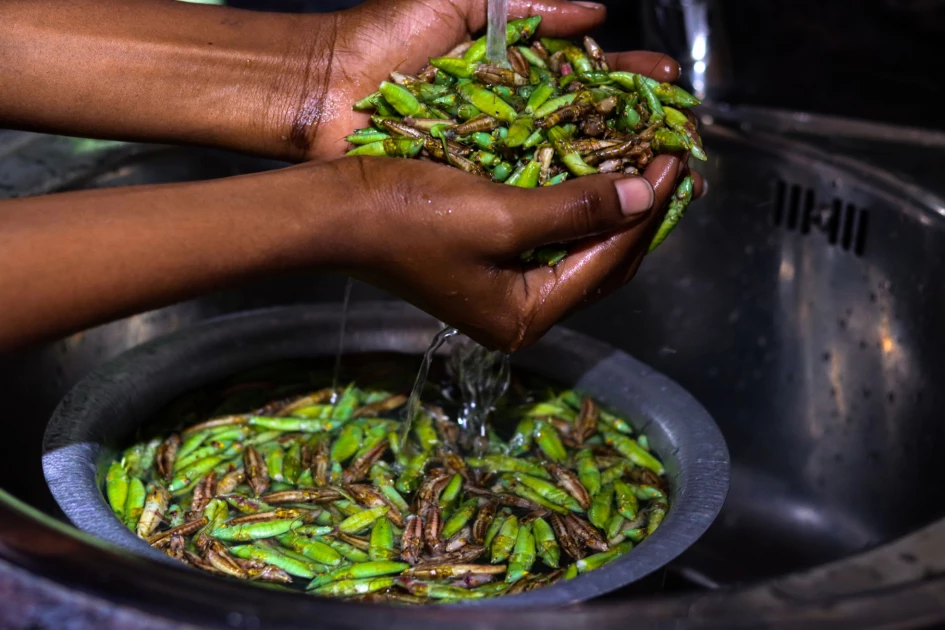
<point x="89" y="145"/>
<point x="795" y="208"/>
<point x="789" y="121"/>
<point x="692" y="32"/>
<point x="912" y="199"/>
<point x="696" y="20"/>
<point x="889" y="346"/>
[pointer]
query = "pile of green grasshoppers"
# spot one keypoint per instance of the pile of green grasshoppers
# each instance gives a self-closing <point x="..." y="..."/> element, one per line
<point x="557" y="111"/>
<point x="331" y="497"/>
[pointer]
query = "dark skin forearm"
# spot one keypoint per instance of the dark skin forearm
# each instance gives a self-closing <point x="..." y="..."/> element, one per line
<point x="73" y="260"/>
<point x="165" y="72"/>
<point x="281" y="86"/>
<point x="276" y="85"/>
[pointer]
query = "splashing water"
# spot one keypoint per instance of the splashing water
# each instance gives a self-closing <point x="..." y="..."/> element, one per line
<point x="341" y="341"/>
<point x="413" y="403"/>
<point x="482" y="376"/>
<point x="496" y="35"/>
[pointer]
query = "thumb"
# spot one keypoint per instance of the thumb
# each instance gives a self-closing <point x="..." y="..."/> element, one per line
<point x="583" y="207"/>
<point x="594" y="261"/>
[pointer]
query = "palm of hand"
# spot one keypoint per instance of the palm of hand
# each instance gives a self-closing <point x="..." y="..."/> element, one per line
<point x="371" y="42"/>
<point x="514" y="306"/>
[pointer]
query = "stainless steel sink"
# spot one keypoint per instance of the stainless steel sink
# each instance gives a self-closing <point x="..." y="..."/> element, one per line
<point x="801" y="302"/>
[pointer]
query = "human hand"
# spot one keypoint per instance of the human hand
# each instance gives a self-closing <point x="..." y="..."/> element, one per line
<point x="383" y="36"/>
<point x="449" y="242"/>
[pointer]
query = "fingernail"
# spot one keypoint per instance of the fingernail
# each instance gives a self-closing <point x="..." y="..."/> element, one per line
<point x="595" y="6"/>
<point x="705" y="189"/>
<point x="636" y="195"/>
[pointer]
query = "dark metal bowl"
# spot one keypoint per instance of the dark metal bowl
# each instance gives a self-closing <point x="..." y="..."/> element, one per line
<point x="103" y="411"/>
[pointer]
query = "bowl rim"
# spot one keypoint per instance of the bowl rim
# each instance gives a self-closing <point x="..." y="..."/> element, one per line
<point x="74" y="443"/>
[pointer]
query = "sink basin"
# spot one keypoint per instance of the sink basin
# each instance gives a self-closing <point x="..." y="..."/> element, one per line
<point x="800" y="302"/>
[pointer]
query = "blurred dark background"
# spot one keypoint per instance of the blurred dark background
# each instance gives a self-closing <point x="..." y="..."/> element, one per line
<point x="872" y="59"/>
<point x="875" y="59"/>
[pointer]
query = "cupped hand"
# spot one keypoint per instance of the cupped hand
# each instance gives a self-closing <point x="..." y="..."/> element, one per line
<point x="450" y="242"/>
<point x="384" y="36"/>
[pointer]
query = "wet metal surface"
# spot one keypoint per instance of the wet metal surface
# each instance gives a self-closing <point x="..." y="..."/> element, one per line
<point x="811" y="335"/>
<point x="815" y="359"/>
<point x="105" y="409"/>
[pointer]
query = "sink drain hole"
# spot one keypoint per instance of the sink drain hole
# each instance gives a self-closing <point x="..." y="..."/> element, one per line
<point x="795" y="208"/>
<point x="808" y="211"/>
<point x="780" y="198"/>
<point x="859" y="239"/>
<point x="833" y="221"/>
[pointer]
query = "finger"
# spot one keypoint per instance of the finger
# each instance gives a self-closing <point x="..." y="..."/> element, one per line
<point x="572" y="282"/>
<point x="692" y="118"/>
<point x="577" y="209"/>
<point x="621" y="277"/>
<point x="699" y="185"/>
<point x="560" y="18"/>
<point x="663" y="174"/>
<point x="654" y="65"/>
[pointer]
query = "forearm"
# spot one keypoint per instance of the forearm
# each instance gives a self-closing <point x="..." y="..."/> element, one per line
<point x="75" y="260"/>
<point x="165" y="72"/>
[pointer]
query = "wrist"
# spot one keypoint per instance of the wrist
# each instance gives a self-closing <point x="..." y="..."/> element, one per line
<point x="167" y="72"/>
<point x="287" y="87"/>
<point x="267" y="81"/>
<point x="315" y="216"/>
